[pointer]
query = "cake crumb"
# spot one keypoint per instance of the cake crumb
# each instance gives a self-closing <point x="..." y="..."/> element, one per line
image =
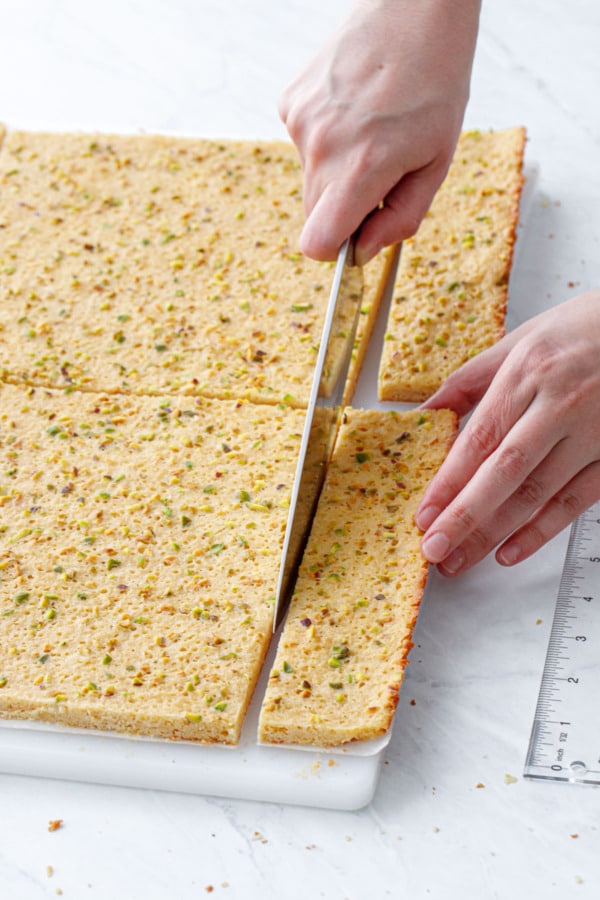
<point x="480" y="785"/>
<point x="55" y="824"/>
<point x="49" y="871"/>
<point x="257" y="836"/>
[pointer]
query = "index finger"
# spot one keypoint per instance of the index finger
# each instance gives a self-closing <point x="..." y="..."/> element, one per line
<point x="336" y="214"/>
<point x="500" y="409"/>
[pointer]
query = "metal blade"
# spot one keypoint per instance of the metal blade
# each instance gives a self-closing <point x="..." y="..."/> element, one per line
<point x="322" y="418"/>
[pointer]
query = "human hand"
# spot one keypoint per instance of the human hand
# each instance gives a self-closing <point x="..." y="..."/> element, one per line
<point x="528" y="461"/>
<point x="376" y="116"/>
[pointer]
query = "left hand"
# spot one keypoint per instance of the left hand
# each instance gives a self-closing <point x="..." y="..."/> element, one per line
<point x="528" y="461"/>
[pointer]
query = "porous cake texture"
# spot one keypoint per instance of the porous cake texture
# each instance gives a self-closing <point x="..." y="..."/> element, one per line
<point x="158" y="335"/>
<point x="451" y="289"/>
<point x="342" y="653"/>
<point x="151" y="264"/>
<point x="140" y="544"/>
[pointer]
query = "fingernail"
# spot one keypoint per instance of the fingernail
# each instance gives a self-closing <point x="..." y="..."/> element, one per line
<point x="454" y="562"/>
<point x="435" y="547"/>
<point x="313" y="244"/>
<point x="426" y="517"/>
<point x="509" y="555"/>
<point x="363" y="255"/>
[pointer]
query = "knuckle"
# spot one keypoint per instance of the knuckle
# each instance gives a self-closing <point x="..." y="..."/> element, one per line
<point x="512" y="463"/>
<point x="294" y="122"/>
<point x="570" y="503"/>
<point x="540" y="356"/>
<point x="532" y="538"/>
<point x="479" y="543"/>
<point x="531" y="492"/>
<point x="548" y="364"/>
<point x="319" y="138"/>
<point x="482" y="437"/>
<point x="573" y="394"/>
<point x="462" y="518"/>
<point x="542" y="360"/>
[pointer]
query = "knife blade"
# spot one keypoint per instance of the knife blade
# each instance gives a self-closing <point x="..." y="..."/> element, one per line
<point x="322" y="418"/>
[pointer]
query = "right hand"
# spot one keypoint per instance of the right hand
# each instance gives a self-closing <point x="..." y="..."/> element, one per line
<point x="376" y="116"/>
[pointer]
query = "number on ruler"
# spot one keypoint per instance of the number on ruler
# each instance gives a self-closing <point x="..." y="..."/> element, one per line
<point x="551" y="741"/>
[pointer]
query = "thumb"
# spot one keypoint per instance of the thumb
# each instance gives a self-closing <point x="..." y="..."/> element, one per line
<point x="464" y="388"/>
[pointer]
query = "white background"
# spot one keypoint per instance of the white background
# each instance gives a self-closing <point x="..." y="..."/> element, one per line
<point x="215" y="68"/>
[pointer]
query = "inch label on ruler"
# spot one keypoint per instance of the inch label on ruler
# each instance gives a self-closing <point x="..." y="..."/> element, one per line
<point x="565" y="738"/>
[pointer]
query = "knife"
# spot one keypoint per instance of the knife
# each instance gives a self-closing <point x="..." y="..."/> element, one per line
<point x="322" y="418"/>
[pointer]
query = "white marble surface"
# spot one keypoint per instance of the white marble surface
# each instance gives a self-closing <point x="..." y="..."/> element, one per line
<point x="216" y="68"/>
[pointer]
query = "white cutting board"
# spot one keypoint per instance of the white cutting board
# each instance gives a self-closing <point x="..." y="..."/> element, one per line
<point x="329" y="779"/>
<point x="248" y="772"/>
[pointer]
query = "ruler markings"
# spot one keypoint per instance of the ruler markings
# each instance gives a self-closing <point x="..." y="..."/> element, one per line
<point x="565" y="738"/>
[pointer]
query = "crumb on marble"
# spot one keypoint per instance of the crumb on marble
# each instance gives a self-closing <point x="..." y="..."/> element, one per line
<point x="257" y="836"/>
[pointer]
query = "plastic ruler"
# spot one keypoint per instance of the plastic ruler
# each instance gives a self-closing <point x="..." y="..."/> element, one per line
<point x="565" y="738"/>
